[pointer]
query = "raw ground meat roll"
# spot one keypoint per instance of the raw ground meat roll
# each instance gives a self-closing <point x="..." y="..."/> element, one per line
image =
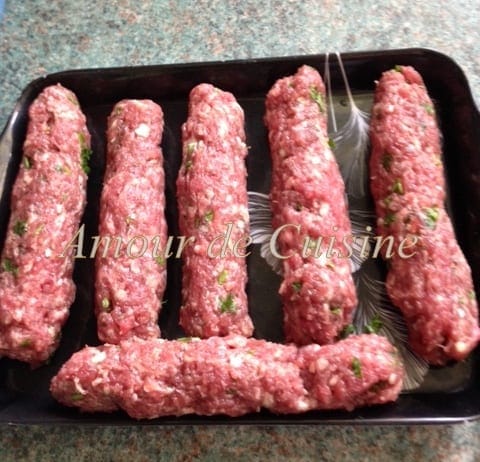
<point x="308" y="198"/>
<point x="129" y="285"/>
<point x="433" y="288"/>
<point x="229" y="375"/>
<point x="211" y="196"/>
<point x="48" y="199"/>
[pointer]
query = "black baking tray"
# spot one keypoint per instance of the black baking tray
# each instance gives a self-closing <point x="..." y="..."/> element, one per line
<point x="450" y="394"/>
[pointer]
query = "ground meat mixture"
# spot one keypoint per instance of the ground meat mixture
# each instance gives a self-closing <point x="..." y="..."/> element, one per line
<point x="129" y="284"/>
<point x="47" y="202"/>
<point x="433" y="288"/>
<point x="229" y="375"/>
<point x="212" y="202"/>
<point x="308" y="198"/>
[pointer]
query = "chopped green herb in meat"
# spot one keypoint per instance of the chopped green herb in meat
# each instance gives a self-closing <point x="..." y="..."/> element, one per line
<point x="227" y="304"/>
<point x="106" y="305"/>
<point x="349" y="329"/>
<point x="9" y="266"/>
<point x="377" y="387"/>
<point x="222" y="277"/>
<point x="389" y="218"/>
<point x="429" y="109"/>
<point x="85" y="153"/>
<point x="39" y="229"/>
<point x="318" y="98"/>
<point x="398" y="187"/>
<point x="356" y="368"/>
<point x="335" y="309"/>
<point x="20" y="227"/>
<point x="73" y="100"/>
<point x="208" y="217"/>
<point x="27" y="162"/>
<point x="387" y="161"/>
<point x="387" y="201"/>
<point x="160" y="260"/>
<point x="297" y="286"/>
<point x="190" y="148"/>
<point x="330" y="265"/>
<point x="374" y="326"/>
<point x="62" y="169"/>
<point x="431" y="217"/>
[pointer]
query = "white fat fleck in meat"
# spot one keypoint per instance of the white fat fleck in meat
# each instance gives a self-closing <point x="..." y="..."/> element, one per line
<point x="328" y="155"/>
<point x="121" y="295"/>
<point x="322" y="259"/>
<point x="27" y="179"/>
<point x="78" y="387"/>
<point x="392" y="378"/>
<point x="143" y="130"/>
<point x="321" y="364"/>
<point x="241" y="224"/>
<point x="17" y="315"/>
<point x="415" y="146"/>
<point x="154" y="386"/>
<point x="97" y="381"/>
<point x="268" y="400"/>
<point x="324" y="209"/>
<point x="333" y="381"/>
<point x="60" y="220"/>
<point x="68" y="115"/>
<point x="461" y="347"/>
<point x="277" y="354"/>
<point x="98" y="357"/>
<point x="51" y="331"/>
<point x="343" y="270"/>
<point x="236" y="341"/>
<point x="151" y="281"/>
<point x="303" y="405"/>
<point x="236" y="361"/>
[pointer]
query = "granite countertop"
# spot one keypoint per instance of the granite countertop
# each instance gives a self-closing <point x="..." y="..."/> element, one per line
<point x="39" y="37"/>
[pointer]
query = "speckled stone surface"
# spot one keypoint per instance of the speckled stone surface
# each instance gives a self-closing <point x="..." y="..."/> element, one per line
<point x="39" y="37"/>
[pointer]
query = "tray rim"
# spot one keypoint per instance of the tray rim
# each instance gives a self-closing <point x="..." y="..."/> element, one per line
<point x="39" y="83"/>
